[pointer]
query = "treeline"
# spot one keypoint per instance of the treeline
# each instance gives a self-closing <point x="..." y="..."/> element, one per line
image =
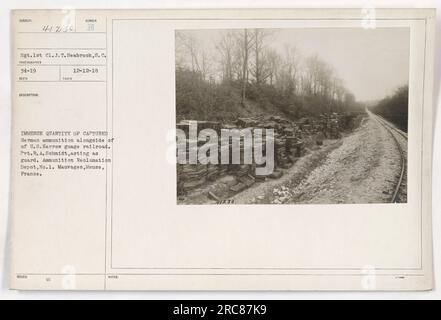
<point x="243" y="74"/>
<point x="395" y="108"/>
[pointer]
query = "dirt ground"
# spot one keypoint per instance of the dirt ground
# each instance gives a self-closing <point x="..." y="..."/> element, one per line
<point x="362" y="167"/>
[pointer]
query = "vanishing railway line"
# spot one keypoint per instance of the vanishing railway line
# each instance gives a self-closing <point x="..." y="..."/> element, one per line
<point x="400" y="138"/>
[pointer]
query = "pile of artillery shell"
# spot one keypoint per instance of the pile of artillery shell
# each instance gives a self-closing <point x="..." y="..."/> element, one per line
<point x="280" y="151"/>
<point x="191" y="176"/>
<point x="288" y="147"/>
<point x="334" y="130"/>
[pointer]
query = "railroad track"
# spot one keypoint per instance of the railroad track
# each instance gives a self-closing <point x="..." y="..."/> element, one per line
<point x="400" y="191"/>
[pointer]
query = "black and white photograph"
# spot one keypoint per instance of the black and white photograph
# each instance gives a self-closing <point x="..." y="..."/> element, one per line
<point x="292" y="116"/>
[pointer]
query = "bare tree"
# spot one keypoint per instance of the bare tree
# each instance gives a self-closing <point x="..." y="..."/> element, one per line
<point x="311" y="78"/>
<point x="192" y="47"/>
<point x="289" y="73"/>
<point x="247" y="57"/>
<point x="244" y="42"/>
<point x="274" y="62"/>
<point x="226" y="50"/>
<point x="259" y="69"/>
<point x="205" y="66"/>
<point x="319" y="77"/>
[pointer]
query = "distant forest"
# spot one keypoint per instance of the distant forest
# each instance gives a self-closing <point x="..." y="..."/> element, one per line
<point x="245" y="76"/>
<point x="395" y="108"/>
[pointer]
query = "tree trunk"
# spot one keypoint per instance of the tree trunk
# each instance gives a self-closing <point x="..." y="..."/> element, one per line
<point x="256" y="48"/>
<point x="245" y="67"/>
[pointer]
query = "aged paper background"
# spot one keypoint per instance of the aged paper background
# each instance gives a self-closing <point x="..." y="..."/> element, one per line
<point x="264" y="233"/>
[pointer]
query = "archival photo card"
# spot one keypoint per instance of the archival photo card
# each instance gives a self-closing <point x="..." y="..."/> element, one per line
<point x="260" y="149"/>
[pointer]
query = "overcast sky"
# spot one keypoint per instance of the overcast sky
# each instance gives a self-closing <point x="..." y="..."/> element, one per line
<point x="371" y="63"/>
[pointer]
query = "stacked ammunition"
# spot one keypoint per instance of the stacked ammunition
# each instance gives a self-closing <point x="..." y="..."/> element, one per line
<point x="242" y="168"/>
<point x="292" y="144"/>
<point x="288" y="147"/>
<point x="224" y="146"/>
<point x="332" y="127"/>
<point x="192" y="176"/>
<point x="247" y="122"/>
<point x="334" y="131"/>
<point x="280" y="153"/>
